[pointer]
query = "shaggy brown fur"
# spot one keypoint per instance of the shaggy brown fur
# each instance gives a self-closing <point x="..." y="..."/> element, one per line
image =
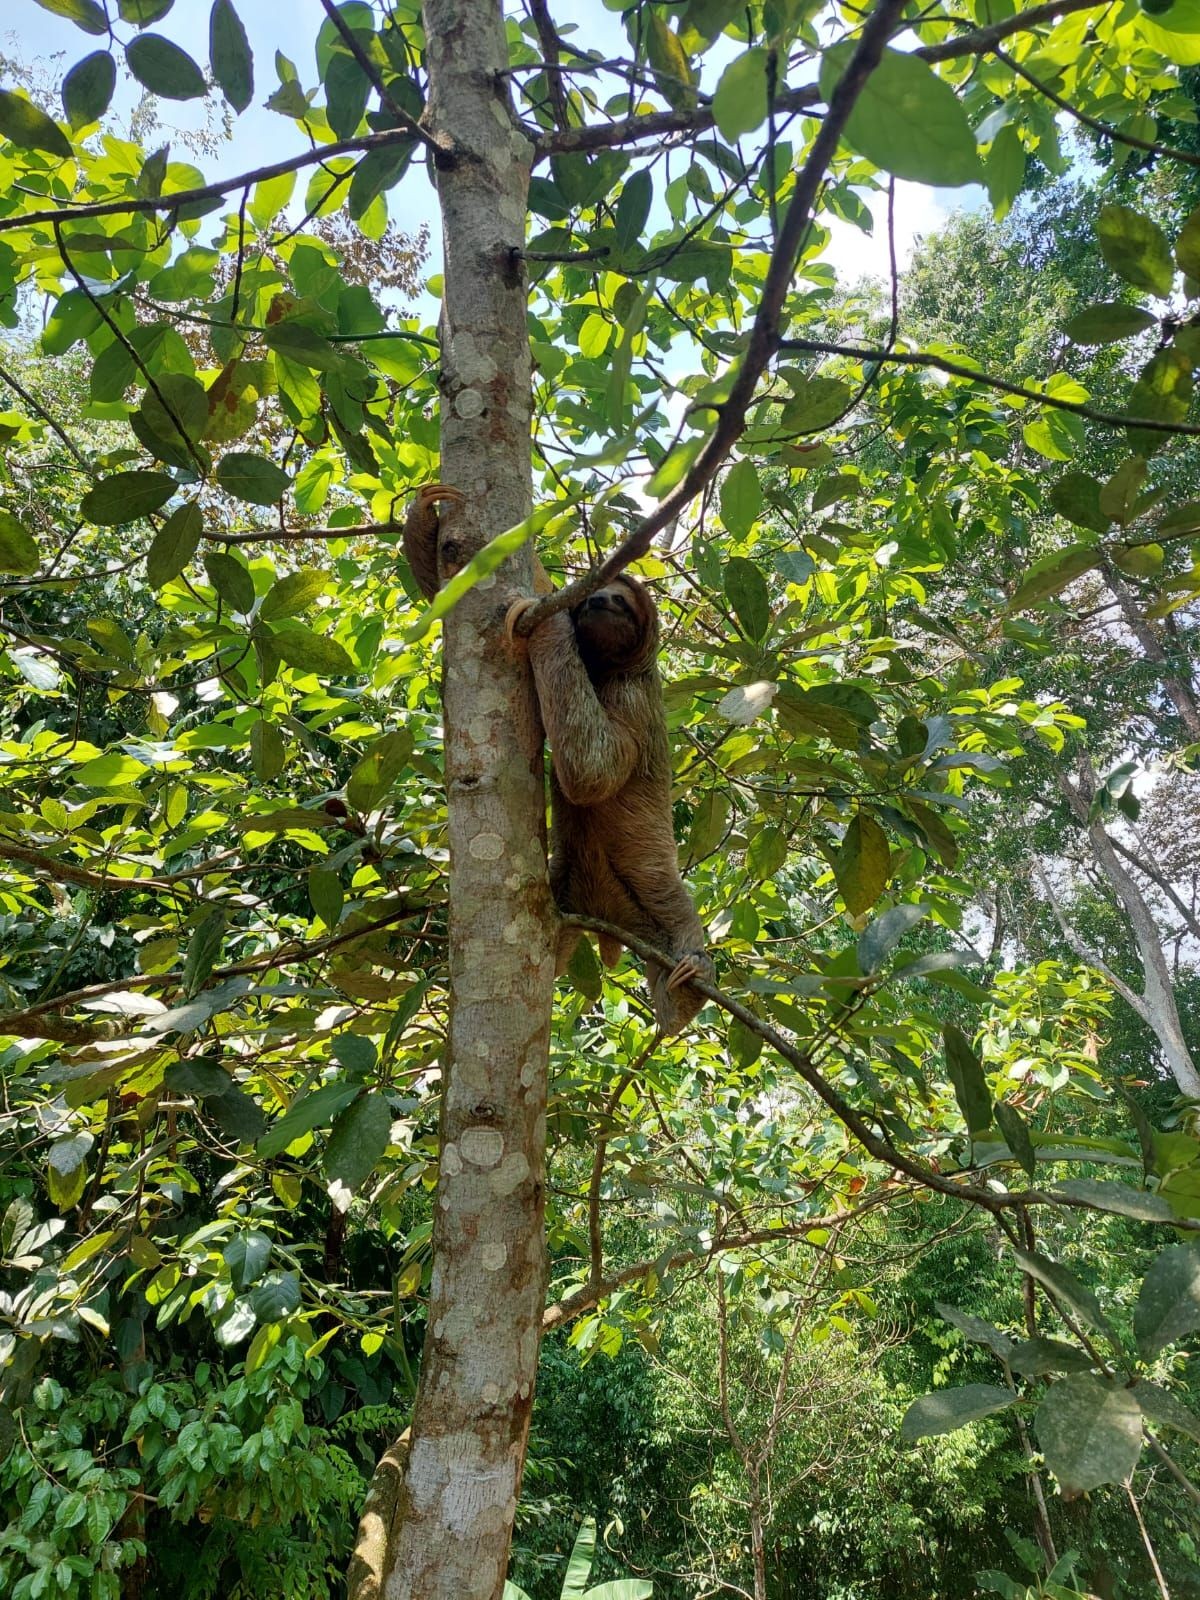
<point x="612" y="854"/>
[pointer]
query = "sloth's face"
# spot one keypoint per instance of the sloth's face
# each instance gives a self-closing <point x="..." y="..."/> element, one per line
<point x="609" y="628"/>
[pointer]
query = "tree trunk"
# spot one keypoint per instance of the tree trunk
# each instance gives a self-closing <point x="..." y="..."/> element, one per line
<point x="452" y="1520"/>
<point x="1173" y="676"/>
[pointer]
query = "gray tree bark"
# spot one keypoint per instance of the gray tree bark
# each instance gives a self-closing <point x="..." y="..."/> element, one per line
<point x="448" y="1528"/>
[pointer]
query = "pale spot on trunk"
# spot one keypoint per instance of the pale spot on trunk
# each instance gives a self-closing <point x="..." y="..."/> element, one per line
<point x="451" y="1161"/>
<point x="494" y="1256"/>
<point x="469" y="403"/>
<point x="482" y="1147"/>
<point x="487" y="847"/>
<point x="510" y="1174"/>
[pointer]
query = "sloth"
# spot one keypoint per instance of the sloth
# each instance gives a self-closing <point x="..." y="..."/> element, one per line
<point x="612" y="845"/>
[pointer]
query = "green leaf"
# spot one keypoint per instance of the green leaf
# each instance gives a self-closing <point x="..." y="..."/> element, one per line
<point x="1004" y="170"/>
<point x="1162" y="1407"/>
<point x="88" y="88"/>
<point x="880" y="937"/>
<point x="950" y="1409"/>
<point x="126" y="497"/>
<point x="1090" y="1432"/>
<point x="1163" y="393"/>
<point x="1107" y="322"/>
<point x="325" y="895"/>
<point x="1034" y="1358"/>
<point x="1052" y="574"/>
<point x="766" y="853"/>
<point x="815" y="404"/>
<point x="303" y="345"/>
<point x="347" y="89"/>
<point x="174" y="545"/>
<point x="977" y="1330"/>
<point x="276" y="1297"/>
<point x="251" y="477"/>
<point x="633" y="209"/>
<point x="268" y="752"/>
<point x="1168" y="1305"/>
<point x="85" y="14"/>
<point x="966" y="1073"/>
<point x="204" y="947"/>
<point x="1139" y="560"/>
<point x="66" y="1171"/>
<point x="18" y="548"/>
<point x="1135" y="248"/>
<point x="31" y="129"/>
<point x="907" y="120"/>
<point x="1016" y="1134"/>
<point x="709" y="822"/>
<point x="740" y="101"/>
<point x="110" y="771"/>
<point x="741" y="498"/>
<point x="1066" y="1287"/>
<point x="673" y="73"/>
<point x="163" y="68"/>
<point x="143" y="12"/>
<point x="269" y="197"/>
<point x="376" y="771"/>
<point x="293" y="593"/>
<point x="231" y="579"/>
<point x="307" y="651"/>
<point x="1056" y="435"/>
<point x="1119" y="496"/>
<point x="246" y="1255"/>
<point x="863" y="864"/>
<point x="230" y="54"/>
<point x="311" y="1111"/>
<point x="746" y="590"/>
<point x="375" y="174"/>
<point x="359" y="1138"/>
<point x="1120" y="1199"/>
<point x="1076" y="496"/>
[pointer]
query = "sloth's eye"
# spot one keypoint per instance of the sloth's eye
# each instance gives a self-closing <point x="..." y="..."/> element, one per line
<point x="620" y="601"/>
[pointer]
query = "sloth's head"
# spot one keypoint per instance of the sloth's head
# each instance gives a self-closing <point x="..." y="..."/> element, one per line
<point x="617" y="628"/>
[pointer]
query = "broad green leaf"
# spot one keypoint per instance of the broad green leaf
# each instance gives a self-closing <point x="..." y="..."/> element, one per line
<point x="881" y="936"/>
<point x="268" y="752"/>
<point x="1119" y="496"/>
<point x="111" y="771"/>
<point x="231" y="579"/>
<point x="347" y="90"/>
<point x="269" y="197"/>
<point x="74" y="317"/>
<point x="594" y="336"/>
<point x="966" y="1073"/>
<point x="230" y="54"/>
<point x="1076" y="496"/>
<point x="1139" y="560"/>
<point x="307" y="651"/>
<point x="949" y="1409"/>
<point x="1056" y="435"/>
<point x="143" y="12"/>
<point x="325" y="895"/>
<point x="30" y="128"/>
<point x="1163" y="393"/>
<point x="303" y="345"/>
<point x="88" y="88"/>
<point x="1035" y="1358"/>
<point x="746" y="590"/>
<point x="766" y="853"/>
<point x="1135" y="248"/>
<point x="1108" y="322"/>
<point x="251" y="477"/>
<point x="740" y="101"/>
<point x="358" y="1141"/>
<point x="126" y="497"/>
<point x="633" y="208"/>
<point x="376" y="771"/>
<point x="1052" y="574"/>
<point x="1065" y="1286"/>
<point x="1118" y="1198"/>
<point x="741" y="498"/>
<point x="579" y="1564"/>
<point x="204" y="946"/>
<point x="375" y="174"/>
<point x="1168" y="1305"/>
<point x="66" y="1171"/>
<point x="1164" y="1408"/>
<point x="18" y="548"/>
<point x="163" y="68"/>
<point x="277" y="1296"/>
<point x="246" y="1255"/>
<point x="673" y="72"/>
<point x="907" y="120"/>
<point x="1016" y="1134"/>
<point x="174" y="545"/>
<point x="1004" y="170"/>
<point x="709" y="822"/>
<point x="315" y="1110"/>
<point x="816" y="403"/>
<point x="1090" y="1432"/>
<point x="293" y="593"/>
<point x="862" y="865"/>
<point x="977" y="1330"/>
<point x="85" y="14"/>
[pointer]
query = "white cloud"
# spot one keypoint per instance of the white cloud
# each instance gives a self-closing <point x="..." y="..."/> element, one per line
<point x="920" y="211"/>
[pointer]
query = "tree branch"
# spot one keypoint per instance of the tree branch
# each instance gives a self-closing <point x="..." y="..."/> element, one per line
<point x="375" y="78"/>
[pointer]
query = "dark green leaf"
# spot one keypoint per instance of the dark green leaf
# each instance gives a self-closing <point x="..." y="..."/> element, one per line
<point x="174" y="545"/>
<point x="950" y="1409"/>
<point x="746" y="590"/>
<point x="246" y="1256"/>
<point x="862" y="865"/>
<point x="325" y="895"/>
<point x="1066" y="1287"/>
<point x="251" y="477"/>
<point x="1162" y="393"/>
<point x="1035" y="1358"/>
<point x="346" y="90"/>
<point x="1118" y="1198"/>
<point x="1161" y="1406"/>
<point x="163" y="68"/>
<point x="311" y="1111"/>
<point x="126" y="497"/>
<point x="307" y="651"/>
<point x="1076" y="496"/>
<point x="294" y="592"/>
<point x="880" y="937"/>
<point x="31" y="129"/>
<point x="231" y="579"/>
<point x="88" y="88"/>
<point x="977" y="1330"/>
<point x="815" y="404"/>
<point x="301" y="344"/>
<point x="85" y="14"/>
<point x="966" y="1073"/>
<point x="1108" y="322"/>
<point x="1090" y="1432"/>
<point x="268" y="752"/>
<point x="143" y="12"/>
<point x="907" y="120"/>
<point x="376" y="173"/>
<point x="230" y="54"/>
<point x="741" y="498"/>
<point x="204" y="947"/>
<point x="276" y="1297"/>
<point x="375" y="772"/>
<point x="1016" y="1135"/>
<point x="633" y="208"/>
<point x="359" y="1138"/>
<point x="18" y="549"/>
<point x="1052" y="574"/>
<point x="1135" y="248"/>
<point x="740" y="100"/>
<point x="1168" y="1305"/>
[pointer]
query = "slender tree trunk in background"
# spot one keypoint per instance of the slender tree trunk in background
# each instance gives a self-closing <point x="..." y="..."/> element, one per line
<point x="447" y="1535"/>
<point x="1180" y="689"/>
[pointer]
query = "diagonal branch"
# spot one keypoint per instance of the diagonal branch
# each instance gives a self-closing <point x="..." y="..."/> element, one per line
<point x="375" y="78"/>
<point x="765" y="335"/>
